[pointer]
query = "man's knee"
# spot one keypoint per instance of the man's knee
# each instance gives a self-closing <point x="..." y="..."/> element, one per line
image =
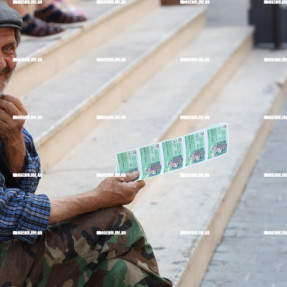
<point x="116" y="272"/>
<point x="119" y="215"/>
<point x="107" y="221"/>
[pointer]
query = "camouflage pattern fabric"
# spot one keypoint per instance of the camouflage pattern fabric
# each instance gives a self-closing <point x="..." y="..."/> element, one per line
<point x="71" y="254"/>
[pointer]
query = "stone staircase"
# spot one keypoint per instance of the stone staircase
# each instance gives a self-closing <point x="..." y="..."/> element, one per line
<point x="152" y="88"/>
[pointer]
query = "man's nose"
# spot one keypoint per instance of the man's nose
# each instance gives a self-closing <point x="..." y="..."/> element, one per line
<point x="3" y="63"/>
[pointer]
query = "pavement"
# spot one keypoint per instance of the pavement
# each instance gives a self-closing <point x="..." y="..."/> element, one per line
<point x="227" y="13"/>
<point x="246" y="257"/>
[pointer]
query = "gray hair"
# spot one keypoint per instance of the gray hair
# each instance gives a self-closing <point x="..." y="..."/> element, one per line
<point x="17" y="36"/>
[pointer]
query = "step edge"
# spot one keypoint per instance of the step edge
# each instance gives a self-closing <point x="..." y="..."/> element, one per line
<point x="223" y="205"/>
<point x="80" y="108"/>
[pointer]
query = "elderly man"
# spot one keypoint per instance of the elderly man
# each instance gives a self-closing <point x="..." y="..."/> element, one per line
<point x="56" y="242"/>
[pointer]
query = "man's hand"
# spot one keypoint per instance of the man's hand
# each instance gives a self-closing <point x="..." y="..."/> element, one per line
<point x="10" y="129"/>
<point x="118" y="191"/>
<point x="111" y="192"/>
<point x="11" y="133"/>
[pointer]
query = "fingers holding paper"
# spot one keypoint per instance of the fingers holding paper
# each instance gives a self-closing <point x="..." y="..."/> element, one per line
<point x="119" y="190"/>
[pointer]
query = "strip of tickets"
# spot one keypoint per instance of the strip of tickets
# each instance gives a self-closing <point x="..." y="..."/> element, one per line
<point x="176" y="153"/>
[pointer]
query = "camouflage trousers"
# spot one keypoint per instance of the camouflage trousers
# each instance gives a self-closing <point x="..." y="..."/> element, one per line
<point x="72" y="253"/>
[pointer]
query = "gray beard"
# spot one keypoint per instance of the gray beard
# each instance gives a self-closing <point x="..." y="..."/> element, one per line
<point x="7" y="79"/>
<point x="5" y="84"/>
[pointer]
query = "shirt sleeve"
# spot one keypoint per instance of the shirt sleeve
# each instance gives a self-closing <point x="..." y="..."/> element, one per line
<point x="23" y="215"/>
<point x="32" y="166"/>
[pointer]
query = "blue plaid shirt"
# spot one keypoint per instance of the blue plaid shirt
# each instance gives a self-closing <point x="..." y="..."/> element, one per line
<point x="20" y="208"/>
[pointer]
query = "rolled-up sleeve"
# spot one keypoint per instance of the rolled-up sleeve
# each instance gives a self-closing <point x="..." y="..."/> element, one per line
<point x="23" y="214"/>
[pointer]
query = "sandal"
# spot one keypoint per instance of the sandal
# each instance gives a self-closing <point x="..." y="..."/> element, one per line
<point x="38" y="28"/>
<point x="55" y="15"/>
<point x="64" y="6"/>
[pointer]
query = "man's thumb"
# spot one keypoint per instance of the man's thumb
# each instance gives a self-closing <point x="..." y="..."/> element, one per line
<point x="131" y="176"/>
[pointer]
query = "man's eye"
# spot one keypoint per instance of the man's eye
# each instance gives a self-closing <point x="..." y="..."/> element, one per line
<point x="9" y="50"/>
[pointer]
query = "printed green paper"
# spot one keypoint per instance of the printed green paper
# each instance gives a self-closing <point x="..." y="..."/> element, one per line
<point x="175" y="153"/>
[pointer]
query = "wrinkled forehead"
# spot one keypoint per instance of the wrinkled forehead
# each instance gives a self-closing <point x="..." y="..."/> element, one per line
<point x="7" y="35"/>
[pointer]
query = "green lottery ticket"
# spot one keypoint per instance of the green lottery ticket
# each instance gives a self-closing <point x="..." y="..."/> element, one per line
<point x="128" y="161"/>
<point x="173" y="154"/>
<point x="150" y="160"/>
<point x="217" y="140"/>
<point x="176" y="153"/>
<point x="195" y="149"/>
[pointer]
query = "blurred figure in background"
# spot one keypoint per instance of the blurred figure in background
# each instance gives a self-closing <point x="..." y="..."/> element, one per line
<point x="47" y="17"/>
<point x="67" y="7"/>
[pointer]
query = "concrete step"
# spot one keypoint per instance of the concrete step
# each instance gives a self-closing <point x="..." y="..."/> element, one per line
<point x="176" y="203"/>
<point x="154" y="108"/>
<point x="208" y="203"/>
<point x="262" y="207"/>
<point x="71" y="100"/>
<point x="105" y="21"/>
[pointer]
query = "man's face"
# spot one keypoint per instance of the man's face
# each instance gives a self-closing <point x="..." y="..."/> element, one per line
<point x="7" y="53"/>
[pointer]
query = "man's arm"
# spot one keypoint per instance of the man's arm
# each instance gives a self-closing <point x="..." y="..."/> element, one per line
<point x="111" y="192"/>
<point x="11" y="133"/>
<point x="18" y="146"/>
<point x="35" y="212"/>
<point x="22" y="211"/>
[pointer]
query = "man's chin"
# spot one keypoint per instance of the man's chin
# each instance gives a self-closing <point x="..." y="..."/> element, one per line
<point x="3" y="84"/>
<point x="2" y="88"/>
